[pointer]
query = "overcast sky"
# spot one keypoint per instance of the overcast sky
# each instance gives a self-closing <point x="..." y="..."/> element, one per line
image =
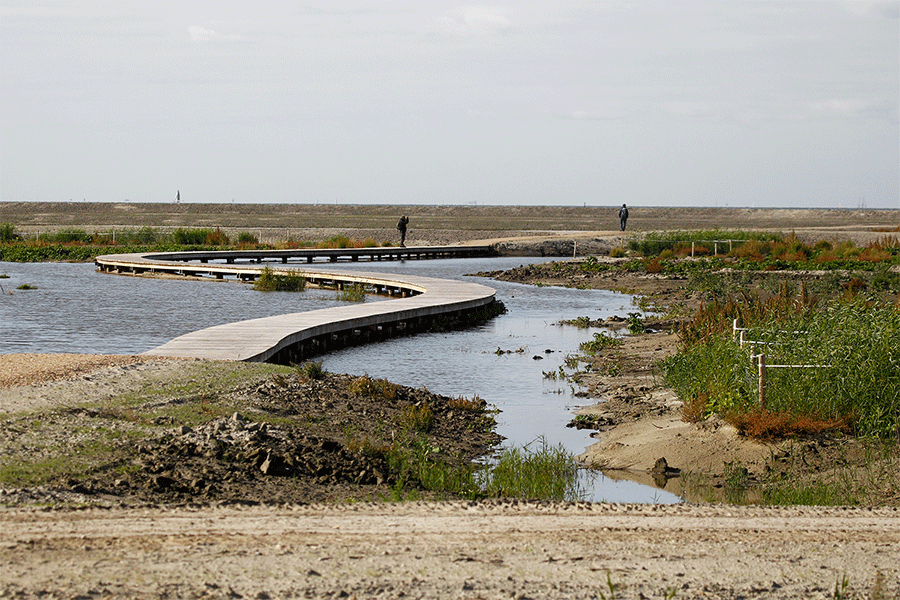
<point x="784" y="103"/>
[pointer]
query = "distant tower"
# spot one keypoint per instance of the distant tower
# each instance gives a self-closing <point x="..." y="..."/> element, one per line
<point x="177" y="196"/>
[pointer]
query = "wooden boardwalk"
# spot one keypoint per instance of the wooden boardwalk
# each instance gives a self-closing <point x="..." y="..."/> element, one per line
<point x="419" y="302"/>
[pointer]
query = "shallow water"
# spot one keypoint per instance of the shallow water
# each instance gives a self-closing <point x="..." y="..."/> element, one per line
<point x="76" y="309"/>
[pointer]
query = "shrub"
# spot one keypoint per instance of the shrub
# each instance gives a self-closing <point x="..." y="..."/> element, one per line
<point x="8" y="233"/>
<point x="311" y="370"/>
<point x="190" y="237"/>
<point x="67" y="236"/>
<point x="653" y="265"/>
<point x="216" y="238"/>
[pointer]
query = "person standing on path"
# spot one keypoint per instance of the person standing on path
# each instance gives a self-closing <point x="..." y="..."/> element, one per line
<point x="401" y="226"/>
<point x="623" y="217"/>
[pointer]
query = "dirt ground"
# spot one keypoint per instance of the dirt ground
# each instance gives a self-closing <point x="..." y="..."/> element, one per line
<point x="492" y="549"/>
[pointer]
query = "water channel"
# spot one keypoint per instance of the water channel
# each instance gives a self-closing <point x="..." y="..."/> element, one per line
<point x="76" y="309"/>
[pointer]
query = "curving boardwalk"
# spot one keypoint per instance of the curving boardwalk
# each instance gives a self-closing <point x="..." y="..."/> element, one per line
<point x="419" y="303"/>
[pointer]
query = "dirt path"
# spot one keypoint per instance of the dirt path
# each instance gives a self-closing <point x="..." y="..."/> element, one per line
<point x="452" y="550"/>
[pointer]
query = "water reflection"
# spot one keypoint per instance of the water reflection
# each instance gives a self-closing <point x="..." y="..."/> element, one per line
<point x="76" y="309"/>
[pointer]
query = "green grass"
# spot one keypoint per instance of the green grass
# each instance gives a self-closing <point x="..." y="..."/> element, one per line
<point x="601" y="341"/>
<point x="270" y="281"/>
<point x="544" y="473"/>
<point x="352" y="293"/>
<point x="79" y="459"/>
<point x="855" y="341"/>
<point x="547" y="472"/>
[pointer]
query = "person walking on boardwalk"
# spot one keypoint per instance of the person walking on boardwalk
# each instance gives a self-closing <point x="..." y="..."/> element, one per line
<point x="401" y="226"/>
<point x="623" y="217"/>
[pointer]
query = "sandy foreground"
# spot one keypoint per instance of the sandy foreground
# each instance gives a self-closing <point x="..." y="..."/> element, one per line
<point x="452" y="550"/>
<point x="491" y="549"/>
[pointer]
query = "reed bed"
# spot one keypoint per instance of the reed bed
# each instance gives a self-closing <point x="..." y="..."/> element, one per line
<point x="844" y="358"/>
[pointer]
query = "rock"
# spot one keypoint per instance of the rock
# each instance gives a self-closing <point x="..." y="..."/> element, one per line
<point x="662" y="468"/>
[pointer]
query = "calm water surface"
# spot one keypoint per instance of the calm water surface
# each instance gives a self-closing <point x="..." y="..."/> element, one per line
<point x="76" y="309"/>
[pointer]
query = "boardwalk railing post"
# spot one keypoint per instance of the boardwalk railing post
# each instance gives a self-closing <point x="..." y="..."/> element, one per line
<point x="762" y="381"/>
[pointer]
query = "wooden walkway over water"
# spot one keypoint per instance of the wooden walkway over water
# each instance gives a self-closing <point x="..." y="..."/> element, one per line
<point x="419" y="303"/>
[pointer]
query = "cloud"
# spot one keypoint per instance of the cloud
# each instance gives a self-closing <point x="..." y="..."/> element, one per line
<point x="480" y="20"/>
<point x="201" y="35"/>
<point x="889" y="10"/>
<point x="853" y="107"/>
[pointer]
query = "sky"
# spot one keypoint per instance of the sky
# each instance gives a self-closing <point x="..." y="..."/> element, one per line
<point x="784" y="103"/>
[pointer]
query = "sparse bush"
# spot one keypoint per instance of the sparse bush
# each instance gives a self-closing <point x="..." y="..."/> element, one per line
<point x="311" y="370"/>
<point x="352" y="293"/>
<point x="190" y="237"/>
<point x="216" y="238"/>
<point x="8" y="233"/>
<point x="270" y="281"/>
<point x="247" y="238"/>
<point x="378" y="388"/>
<point x="417" y="417"/>
<point x="476" y="404"/>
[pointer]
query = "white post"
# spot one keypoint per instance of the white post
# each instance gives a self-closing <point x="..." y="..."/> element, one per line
<point x="692" y="249"/>
<point x="762" y="381"/>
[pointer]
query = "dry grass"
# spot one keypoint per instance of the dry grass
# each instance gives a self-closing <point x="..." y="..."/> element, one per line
<point x="765" y="425"/>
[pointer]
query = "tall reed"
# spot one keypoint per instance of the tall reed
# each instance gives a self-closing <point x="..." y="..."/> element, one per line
<point x="853" y="345"/>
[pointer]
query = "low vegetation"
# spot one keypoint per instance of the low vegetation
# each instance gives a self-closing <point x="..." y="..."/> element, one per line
<point x="833" y="365"/>
<point x="352" y="293"/>
<point x="78" y="245"/>
<point x="271" y="281"/>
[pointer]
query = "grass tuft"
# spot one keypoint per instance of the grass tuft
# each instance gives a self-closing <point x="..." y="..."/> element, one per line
<point x="270" y="281"/>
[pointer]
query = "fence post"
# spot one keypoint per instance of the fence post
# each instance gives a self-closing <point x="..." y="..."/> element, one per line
<point x="692" y="249"/>
<point x="715" y="248"/>
<point x="762" y="381"/>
